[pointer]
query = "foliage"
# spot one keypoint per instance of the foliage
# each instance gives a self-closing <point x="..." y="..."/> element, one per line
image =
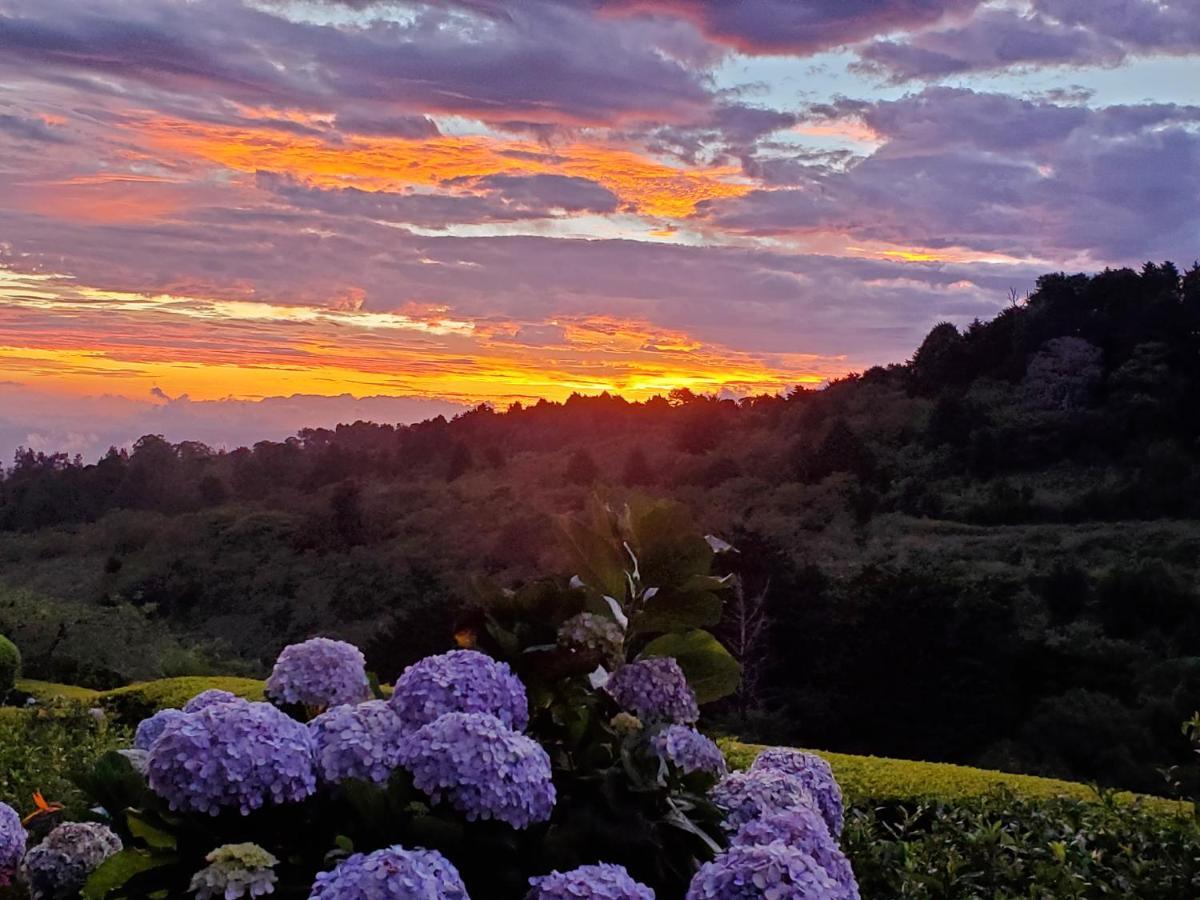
<point x="1005" y="845"/>
<point x="42" y="749"/>
<point x="586" y="783"/>
<point x="10" y="665"/>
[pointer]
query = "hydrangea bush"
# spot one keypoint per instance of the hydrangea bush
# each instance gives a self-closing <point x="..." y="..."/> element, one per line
<point x="764" y="872"/>
<point x="604" y="881"/>
<point x="688" y="750"/>
<point x="391" y="874"/>
<point x="233" y="755"/>
<point x="12" y="842"/>
<point x="483" y="768"/>
<point x="461" y="681"/>
<point x="150" y="728"/>
<point x="362" y="741"/>
<point x="814" y="773"/>
<point x="803" y="828"/>
<point x="654" y="689"/>
<point x="558" y="739"/>
<point x="59" y="866"/>
<point x="319" y="673"/>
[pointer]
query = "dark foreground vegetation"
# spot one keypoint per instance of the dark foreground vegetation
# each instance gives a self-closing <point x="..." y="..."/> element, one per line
<point x="989" y="554"/>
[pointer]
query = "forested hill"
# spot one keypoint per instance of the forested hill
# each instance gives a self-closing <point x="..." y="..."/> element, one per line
<point x="989" y="554"/>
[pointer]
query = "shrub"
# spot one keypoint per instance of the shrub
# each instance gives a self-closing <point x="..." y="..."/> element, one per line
<point x="10" y="665"/>
<point x="137" y="701"/>
<point x="42" y="749"/>
<point x="1003" y="845"/>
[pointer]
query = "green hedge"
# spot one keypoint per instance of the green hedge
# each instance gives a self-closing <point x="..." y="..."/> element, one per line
<point x="878" y="779"/>
<point x="10" y="665"/>
<point x="136" y="701"/>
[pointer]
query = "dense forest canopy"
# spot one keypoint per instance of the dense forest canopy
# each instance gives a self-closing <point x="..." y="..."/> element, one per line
<point x="988" y="554"/>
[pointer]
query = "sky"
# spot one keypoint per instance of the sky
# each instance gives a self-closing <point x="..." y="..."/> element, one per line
<point x="228" y="219"/>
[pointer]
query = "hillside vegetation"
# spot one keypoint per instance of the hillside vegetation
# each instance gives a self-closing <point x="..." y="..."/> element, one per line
<point x="988" y="555"/>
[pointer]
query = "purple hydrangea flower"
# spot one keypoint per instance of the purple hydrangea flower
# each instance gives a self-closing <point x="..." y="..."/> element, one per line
<point x="58" y="867"/>
<point x="391" y="874"/>
<point x="803" y="828"/>
<point x="688" y="750"/>
<point x="360" y="741"/>
<point x="211" y="697"/>
<point x="814" y="773"/>
<point x="654" y="689"/>
<point x="603" y="881"/>
<point x="744" y="796"/>
<point x="149" y="729"/>
<point x="483" y="768"/>
<point x="12" y="842"/>
<point x="319" y="673"/>
<point x="232" y="755"/>
<point x="460" y="681"/>
<point x="766" y="872"/>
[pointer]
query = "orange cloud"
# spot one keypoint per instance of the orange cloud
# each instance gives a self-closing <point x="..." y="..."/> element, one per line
<point x="102" y="198"/>
<point x="387" y="163"/>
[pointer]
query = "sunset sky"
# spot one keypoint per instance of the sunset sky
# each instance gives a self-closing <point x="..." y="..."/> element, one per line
<point x="226" y="219"/>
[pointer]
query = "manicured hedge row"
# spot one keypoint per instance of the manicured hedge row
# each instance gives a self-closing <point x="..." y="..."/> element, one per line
<point x="879" y="780"/>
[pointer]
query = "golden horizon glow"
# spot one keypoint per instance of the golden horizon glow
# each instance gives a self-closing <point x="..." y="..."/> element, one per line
<point x="230" y="349"/>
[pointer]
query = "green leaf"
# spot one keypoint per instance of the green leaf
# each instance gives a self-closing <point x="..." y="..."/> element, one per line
<point x="118" y="869"/>
<point x="670" y="610"/>
<point x="596" y="552"/>
<point x="153" y="836"/>
<point x="670" y="551"/>
<point x="710" y="669"/>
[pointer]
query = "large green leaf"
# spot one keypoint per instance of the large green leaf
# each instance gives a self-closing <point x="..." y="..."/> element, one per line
<point x="710" y="669"/>
<point x="118" y="869"/>
<point x="669" y="549"/>
<point x="599" y="558"/>
<point x="670" y="610"/>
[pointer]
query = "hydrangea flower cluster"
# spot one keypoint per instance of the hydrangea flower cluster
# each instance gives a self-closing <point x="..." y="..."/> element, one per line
<point x="814" y="773"/>
<point x="604" y="881"/>
<point x="211" y="697"/>
<point x="588" y="631"/>
<point x="238" y="755"/>
<point x="803" y="828"/>
<point x="744" y="796"/>
<point x="319" y="673"/>
<point x="12" y="842"/>
<point x="688" y="750"/>
<point x="58" y="866"/>
<point x="360" y="741"/>
<point x="461" y="681"/>
<point x="391" y="874"/>
<point x="654" y="689"/>
<point x="483" y="768"/>
<point x="234" y="871"/>
<point x="766" y="872"/>
<point x="149" y="729"/>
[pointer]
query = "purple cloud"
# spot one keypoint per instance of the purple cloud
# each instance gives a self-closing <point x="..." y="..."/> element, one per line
<point x="542" y="62"/>
<point x="788" y="26"/>
<point x="1051" y="32"/>
<point x="1000" y="174"/>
